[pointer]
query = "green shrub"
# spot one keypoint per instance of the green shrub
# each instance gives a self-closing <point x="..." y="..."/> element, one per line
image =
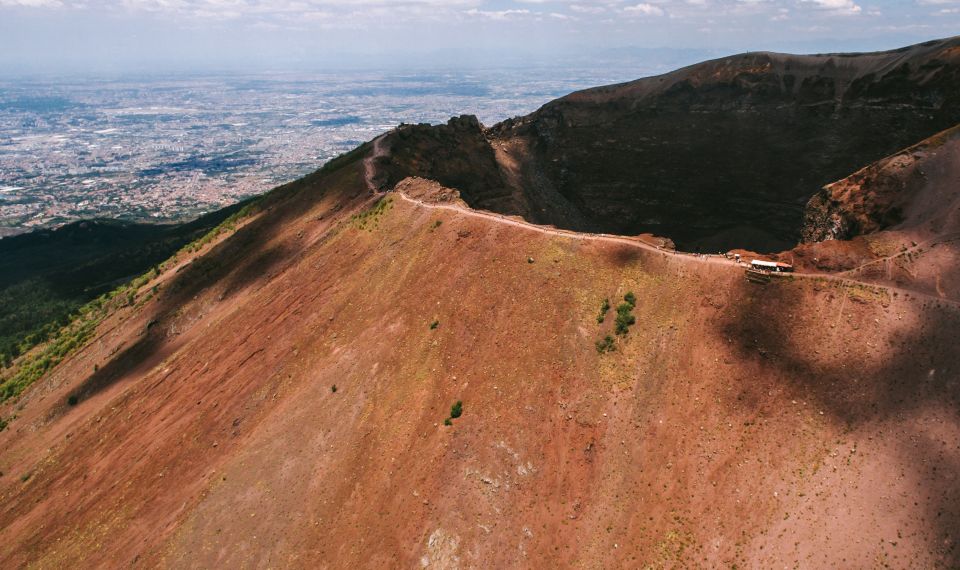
<point x="630" y="298"/>
<point x="333" y="388"/>
<point x="72" y="400"/>
<point x="625" y="318"/>
<point x="605" y="345"/>
<point x="604" y="307"/>
<point x="447" y="422"/>
<point x="434" y="325"/>
<point x="456" y="410"/>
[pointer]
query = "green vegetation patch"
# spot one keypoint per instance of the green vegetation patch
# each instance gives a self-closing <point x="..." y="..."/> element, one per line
<point x="625" y="318"/>
<point x="604" y="308"/>
<point x="249" y="208"/>
<point x="456" y="410"/>
<point x="867" y="294"/>
<point x="370" y="218"/>
<point x="606" y="345"/>
<point x="47" y="276"/>
<point x="65" y="341"/>
<point x="62" y="342"/>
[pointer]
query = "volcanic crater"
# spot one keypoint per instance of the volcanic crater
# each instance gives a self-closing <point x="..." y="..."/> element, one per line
<point x="279" y="393"/>
<point x="720" y="155"/>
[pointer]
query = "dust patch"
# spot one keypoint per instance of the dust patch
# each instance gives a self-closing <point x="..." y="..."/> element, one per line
<point x="441" y="552"/>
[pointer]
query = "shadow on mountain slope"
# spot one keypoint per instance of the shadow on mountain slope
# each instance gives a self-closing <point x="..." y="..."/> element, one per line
<point x="244" y="258"/>
<point x="906" y="366"/>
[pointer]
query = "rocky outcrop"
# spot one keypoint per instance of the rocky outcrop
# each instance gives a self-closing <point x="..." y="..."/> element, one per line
<point x="455" y="154"/>
<point x="913" y="189"/>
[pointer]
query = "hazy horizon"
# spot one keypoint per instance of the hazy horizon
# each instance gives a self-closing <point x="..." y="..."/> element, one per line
<point x="233" y="36"/>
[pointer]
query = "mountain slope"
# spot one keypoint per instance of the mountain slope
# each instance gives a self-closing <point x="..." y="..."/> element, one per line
<point x="914" y="189"/>
<point x="724" y="429"/>
<point x="279" y="396"/>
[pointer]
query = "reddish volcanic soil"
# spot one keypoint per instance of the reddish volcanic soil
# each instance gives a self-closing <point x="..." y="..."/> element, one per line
<point x="804" y="423"/>
<point x="901" y="216"/>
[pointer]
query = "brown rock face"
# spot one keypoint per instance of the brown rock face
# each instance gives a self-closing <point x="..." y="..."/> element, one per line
<point x="456" y="155"/>
<point x="895" y="221"/>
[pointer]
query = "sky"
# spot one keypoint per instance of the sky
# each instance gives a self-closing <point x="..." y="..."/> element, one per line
<point x="88" y="36"/>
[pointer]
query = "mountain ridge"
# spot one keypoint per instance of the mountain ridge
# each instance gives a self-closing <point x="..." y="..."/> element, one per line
<point x="767" y="132"/>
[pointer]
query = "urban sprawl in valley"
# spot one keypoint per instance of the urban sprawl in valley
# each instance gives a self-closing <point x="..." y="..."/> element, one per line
<point x="165" y="149"/>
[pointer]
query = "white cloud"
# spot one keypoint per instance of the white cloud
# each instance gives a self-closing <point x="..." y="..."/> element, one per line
<point x="645" y="9"/>
<point x="31" y="3"/>
<point x="842" y="7"/>
<point x="669" y="22"/>
<point x="340" y="13"/>
<point x="587" y="9"/>
<point x="497" y="14"/>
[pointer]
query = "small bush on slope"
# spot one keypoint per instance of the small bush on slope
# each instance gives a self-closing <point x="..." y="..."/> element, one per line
<point x="625" y="316"/>
<point x="456" y="410"/>
<point x="606" y="345"/>
<point x="604" y="307"/>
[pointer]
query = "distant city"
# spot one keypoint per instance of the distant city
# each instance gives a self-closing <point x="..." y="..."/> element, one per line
<point x="168" y="149"/>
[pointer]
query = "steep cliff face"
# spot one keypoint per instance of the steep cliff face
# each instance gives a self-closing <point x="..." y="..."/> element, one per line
<point x="727" y="153"/>
<point x="723" y="154"/>
<point x="894" y="221"/>
<point x="456" y="154"/>
<point x="915" y="189"/>
<point x="490" y="174"/>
